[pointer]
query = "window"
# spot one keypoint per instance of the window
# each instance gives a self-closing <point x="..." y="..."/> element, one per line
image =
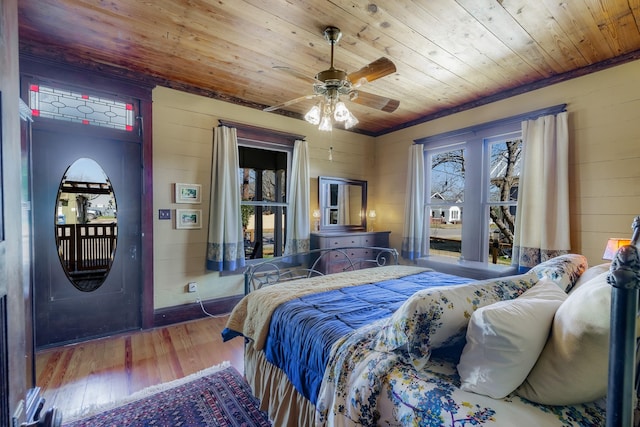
<point x="446" y="199"/>
<point x="472" y="176"/>
<point x="473" y="195"/>
<point x="74" y="106"/>
<point x="265" y="157"/>
<point x="505" y="156"/>
<point x="263" y="182"/>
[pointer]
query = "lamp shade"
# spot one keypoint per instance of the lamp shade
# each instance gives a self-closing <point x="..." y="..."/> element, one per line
<point x="341" y="112"/>
<point x="325" y="123"/>
<point x="313" y="116"/>
<point x="612" y="247"/>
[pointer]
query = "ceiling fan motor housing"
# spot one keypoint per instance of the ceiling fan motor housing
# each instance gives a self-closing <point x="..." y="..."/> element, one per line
<point x="332" y="34"/>
<point x="332" y="80"/>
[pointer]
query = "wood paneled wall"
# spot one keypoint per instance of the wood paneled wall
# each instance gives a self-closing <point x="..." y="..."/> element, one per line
<point x="605" y="147"/>
<point x="182" y="145"/>
<point x="604" y="129"/>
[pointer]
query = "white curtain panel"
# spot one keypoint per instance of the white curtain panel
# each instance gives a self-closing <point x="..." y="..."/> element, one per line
<point x="414" y="236"/>
<point x="542" y="216"/>
<point x="298" y="213"/>
<point x="225" y="246"/>
<point x="344" y="215"/>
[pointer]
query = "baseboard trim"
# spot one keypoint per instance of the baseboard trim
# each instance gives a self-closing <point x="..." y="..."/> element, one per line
<point x="182" y="313"/>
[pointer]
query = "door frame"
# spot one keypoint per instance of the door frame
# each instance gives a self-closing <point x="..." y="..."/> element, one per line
<point x="33" y="67"/>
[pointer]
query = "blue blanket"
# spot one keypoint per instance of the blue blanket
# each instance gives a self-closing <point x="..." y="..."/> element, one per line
<point x="302" y="330"/>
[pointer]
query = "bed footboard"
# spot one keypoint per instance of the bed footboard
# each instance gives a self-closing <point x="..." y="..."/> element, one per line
<point x="305" y="264"/>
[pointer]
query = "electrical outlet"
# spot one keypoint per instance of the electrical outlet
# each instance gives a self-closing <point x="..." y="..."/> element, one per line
<point x="192" y="287"/>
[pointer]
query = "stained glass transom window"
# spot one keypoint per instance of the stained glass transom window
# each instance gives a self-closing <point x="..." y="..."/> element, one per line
<point x="67" y="105"/>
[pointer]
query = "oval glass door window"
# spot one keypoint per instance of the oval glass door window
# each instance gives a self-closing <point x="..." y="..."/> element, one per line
<point x="86" y="224"/>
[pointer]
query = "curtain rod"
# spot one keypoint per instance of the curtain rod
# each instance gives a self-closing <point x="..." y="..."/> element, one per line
<point x="531" y="115"/>
<point x="253" y="130"/>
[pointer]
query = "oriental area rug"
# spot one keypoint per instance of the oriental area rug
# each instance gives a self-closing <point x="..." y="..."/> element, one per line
<point x="217" y="397"/>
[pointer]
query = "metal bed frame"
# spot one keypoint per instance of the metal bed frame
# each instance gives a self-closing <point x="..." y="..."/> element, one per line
<point x="624" y="277"/>
<point x="622" y="388"/>
<point x="307" y="264"/>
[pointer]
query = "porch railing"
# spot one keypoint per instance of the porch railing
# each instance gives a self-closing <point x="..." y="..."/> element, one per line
<point x="86" y="247"/>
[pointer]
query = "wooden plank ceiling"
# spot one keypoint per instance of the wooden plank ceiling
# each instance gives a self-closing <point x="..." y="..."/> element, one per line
<point x="449" y="54"/>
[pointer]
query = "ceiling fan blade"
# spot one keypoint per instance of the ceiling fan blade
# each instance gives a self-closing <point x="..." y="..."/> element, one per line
<point x="290" y="102"/>
<point x="374" y="101"/>
<point x="379" y="68"/>
<point x="296" y="73"/>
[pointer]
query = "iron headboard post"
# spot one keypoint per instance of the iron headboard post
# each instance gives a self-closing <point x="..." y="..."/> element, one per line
<point x="624" y="277"/>
<point x="248" y="276"/>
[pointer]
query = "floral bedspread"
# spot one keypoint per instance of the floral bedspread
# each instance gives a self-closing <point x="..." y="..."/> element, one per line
<point x="365" y="387"/>
<point x="401" y="371"/>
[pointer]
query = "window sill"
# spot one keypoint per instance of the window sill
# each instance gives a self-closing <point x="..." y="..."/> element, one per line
<point x="472" y="269"/>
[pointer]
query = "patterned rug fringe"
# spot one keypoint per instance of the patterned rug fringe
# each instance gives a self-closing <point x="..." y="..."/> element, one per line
<point x="141" y="394"/>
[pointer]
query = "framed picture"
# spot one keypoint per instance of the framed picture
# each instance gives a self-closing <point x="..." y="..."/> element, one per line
<point x="188" y="218"/>
<point x="188" y="193"/>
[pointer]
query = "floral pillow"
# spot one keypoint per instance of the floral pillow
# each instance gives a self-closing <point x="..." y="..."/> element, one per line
<point x="437" y="317"/>
<point x="591" y="272"/>
<point x="564" y="270"/>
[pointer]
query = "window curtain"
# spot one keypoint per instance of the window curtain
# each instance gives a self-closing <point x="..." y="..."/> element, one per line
<point x="414" y="234"/>
<point x="225" y="246"/>
<point x="542" y="215"/>
<point x="298" y="214"/>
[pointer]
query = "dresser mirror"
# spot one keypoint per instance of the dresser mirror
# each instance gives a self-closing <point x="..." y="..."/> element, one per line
<point x="343" y="204"/>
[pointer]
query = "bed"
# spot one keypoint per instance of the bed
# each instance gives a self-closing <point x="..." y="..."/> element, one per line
<point x="393" y="345"/>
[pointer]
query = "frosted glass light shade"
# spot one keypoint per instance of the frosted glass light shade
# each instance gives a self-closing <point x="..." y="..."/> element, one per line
<point x="313" y="115"/>
<point x="341" y="112"/>
<point x="325" y="124"/>
<point x="350" y="122"/>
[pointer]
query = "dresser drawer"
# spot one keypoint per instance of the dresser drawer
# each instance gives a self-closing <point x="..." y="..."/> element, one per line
<point x="342" y="241"/>
<point x="380" y="240"/>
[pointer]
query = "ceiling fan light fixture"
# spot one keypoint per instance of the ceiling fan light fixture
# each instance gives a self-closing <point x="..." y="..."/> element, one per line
<point x="350" y="122"/>
<point x="341" y="112"/>
<point x="330" y="84"/>
<point x="325" y="124"/>
<point x="331" y="110"/>
<point x="313" y="115"/>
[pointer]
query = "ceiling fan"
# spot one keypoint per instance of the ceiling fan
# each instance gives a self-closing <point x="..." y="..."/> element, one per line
<point x="330" y="84"/>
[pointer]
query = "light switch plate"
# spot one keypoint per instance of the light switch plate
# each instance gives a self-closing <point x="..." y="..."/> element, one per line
<point x="164" y="213"/>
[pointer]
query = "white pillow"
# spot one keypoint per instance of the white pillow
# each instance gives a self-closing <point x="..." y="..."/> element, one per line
<point x="573" y="366"/>
<point x="504" y="340"/>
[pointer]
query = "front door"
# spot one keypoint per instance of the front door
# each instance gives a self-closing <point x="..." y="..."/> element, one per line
<point x="82" y="292"/>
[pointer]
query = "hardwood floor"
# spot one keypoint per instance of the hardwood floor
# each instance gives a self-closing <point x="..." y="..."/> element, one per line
<point x="83" y="375"/>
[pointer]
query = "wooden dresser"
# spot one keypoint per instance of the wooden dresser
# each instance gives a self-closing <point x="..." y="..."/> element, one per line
<point x="336" y="262"/>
